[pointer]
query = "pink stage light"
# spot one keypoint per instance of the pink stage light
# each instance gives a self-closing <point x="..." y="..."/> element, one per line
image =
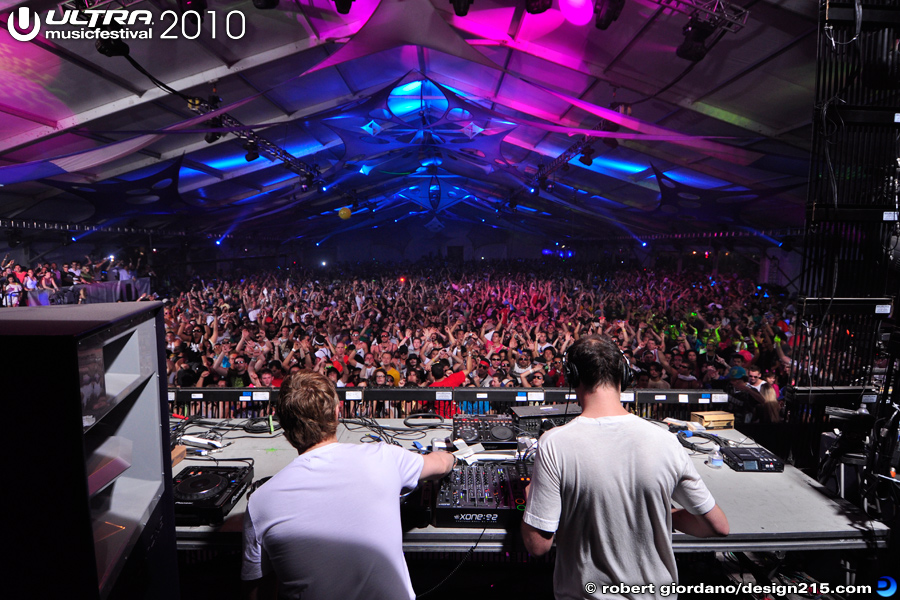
<point x="577" y="12"/>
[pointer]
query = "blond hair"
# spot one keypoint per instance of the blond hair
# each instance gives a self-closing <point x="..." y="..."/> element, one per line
<point x="771" y="408"/>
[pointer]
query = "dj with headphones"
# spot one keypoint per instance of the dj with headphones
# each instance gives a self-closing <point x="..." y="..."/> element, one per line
<point x="603" y="485"/>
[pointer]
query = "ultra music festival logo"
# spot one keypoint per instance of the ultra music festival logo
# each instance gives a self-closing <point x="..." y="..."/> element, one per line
<point x="25" y="24"/>
<point x="21" y="20"/>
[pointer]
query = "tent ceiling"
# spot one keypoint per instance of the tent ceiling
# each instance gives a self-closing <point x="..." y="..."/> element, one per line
<point x="412" y="113"/>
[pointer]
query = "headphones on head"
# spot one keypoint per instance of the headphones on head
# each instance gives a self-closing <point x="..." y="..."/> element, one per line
<point x="626" y="375"/>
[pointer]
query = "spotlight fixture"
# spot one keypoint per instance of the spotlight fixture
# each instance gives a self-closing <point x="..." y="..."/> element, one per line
<point x="607" y="11"/>
<point x="587" y="156"/>
<point x="623" y="109"/>
<point x="198" y="6"/>
<point x="252" y="151"/>
<point x="212" y="136"/>
<point x="461" y="7"/>
<point x="265" y="4"/>
<point x="111" y="47"/>
<point x="696" y="31"/>
<point x="536" y="7"/>
<point x="343" y="6"/>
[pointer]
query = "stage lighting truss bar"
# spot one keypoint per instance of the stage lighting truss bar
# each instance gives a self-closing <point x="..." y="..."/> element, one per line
<point x="724" y="15"/>
<point x="571" y="152"/>
<point x="266" y="148"/>
<point x="554" y="165"/>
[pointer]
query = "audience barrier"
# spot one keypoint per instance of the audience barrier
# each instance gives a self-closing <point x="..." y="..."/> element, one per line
<point x="92" y="293"/>
<point x="226" y="403"/>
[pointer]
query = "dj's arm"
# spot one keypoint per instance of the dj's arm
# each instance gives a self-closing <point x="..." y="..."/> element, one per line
<point x="265" y="588"/>
<point x="437" y="464"/>
<point x="712" y="524"/>
<point x="536" y="541"/>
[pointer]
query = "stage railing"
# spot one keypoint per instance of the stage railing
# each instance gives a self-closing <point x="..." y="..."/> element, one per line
<point x="401" y="402"/>
<point x="91" y="293"/>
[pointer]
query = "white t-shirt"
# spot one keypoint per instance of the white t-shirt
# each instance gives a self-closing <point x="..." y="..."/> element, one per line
<point x="605" y="486"/>
<point x="328" y="524"/>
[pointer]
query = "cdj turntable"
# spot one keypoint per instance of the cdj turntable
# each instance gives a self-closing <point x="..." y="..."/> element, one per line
<point x="538" y="419"/>
<point x="204" y="495"/>
<point x="494" y="432"/>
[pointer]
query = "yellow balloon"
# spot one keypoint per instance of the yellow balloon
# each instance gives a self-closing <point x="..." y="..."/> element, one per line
<point x="344" y="213"/>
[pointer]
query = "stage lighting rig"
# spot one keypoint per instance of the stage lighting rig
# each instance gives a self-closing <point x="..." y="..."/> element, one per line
<point x="727" y="17"/>
<point x="262" y="145"/>
<point x="536" y="7"/>
<point x="696" y="32"/>
<point x="343" y="6"/>
<point x="587" y="156"/>
<point x="112" y="47"/>
<point x="252" y="151"/>
<point x="213" y="136"/>
<point x="607" y="11"/>
<point x="461" y="7"/>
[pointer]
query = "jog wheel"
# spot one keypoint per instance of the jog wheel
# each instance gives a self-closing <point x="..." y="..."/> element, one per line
<point x="198" y="487"/>
<point x="467" y="434"/>
<point x="502" y="433"/>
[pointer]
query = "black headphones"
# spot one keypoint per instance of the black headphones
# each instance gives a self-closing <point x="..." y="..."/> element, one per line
<point x="572" y="378"/>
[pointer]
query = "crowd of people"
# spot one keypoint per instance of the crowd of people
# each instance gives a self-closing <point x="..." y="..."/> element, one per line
<point x="17" y="280"/>
<point x="505" y="324"/>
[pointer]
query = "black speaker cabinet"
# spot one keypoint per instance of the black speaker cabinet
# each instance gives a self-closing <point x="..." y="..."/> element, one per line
<point x="90" y="494"/>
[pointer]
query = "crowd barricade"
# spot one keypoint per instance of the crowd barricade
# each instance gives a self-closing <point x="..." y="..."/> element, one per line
<point x="92" y="293"/>
<point x="227" y="403"/>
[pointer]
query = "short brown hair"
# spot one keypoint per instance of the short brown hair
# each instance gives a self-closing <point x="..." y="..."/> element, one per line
<point x="305" y="409"/>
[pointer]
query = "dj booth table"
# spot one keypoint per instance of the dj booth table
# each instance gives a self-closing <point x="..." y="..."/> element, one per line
<point x="766" y="511"/>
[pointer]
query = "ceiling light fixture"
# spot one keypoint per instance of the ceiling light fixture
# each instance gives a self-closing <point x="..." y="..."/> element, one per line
<point x="212" y="136"/>
<point x="461" y="7"/>
<point x="252" y="151"/>
<point x="111" y="47"/>
<point x="577" y="12"/>
<point x="696" y="31"/>
<point x="623" y="109"/>
<point x="587" y="156"/>
<point x="607" y="11"/>
<point x="343" y="6"/>
<point x="197" y="6"/>
<point x="536" y="7"/>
